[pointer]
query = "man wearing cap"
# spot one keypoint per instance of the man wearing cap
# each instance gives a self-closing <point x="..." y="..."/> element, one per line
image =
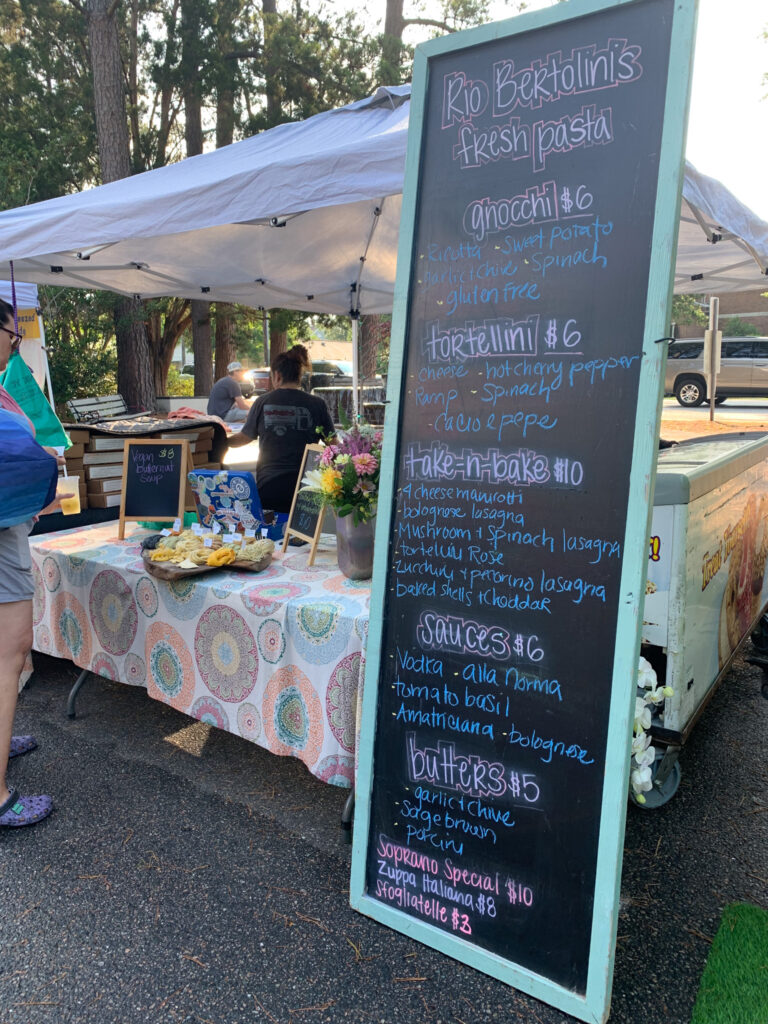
<point x="226" y="399"/>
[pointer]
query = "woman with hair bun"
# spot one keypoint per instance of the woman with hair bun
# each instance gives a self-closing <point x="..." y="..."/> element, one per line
<point x="285" y="421"/>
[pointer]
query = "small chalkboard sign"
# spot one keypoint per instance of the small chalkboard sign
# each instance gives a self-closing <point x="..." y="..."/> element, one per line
<point x="154" y="481"/>
<point x="305" y="520"/>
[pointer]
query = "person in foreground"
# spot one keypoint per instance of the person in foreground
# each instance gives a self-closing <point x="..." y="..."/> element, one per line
<point x="285" y="421"/>
<point x="226" y="398"/>
<point x="29" y="473"/>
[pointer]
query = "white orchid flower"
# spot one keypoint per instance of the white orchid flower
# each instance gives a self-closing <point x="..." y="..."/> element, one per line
<point x="642" y="715"/>
<point x="655" y="696"/>
<point x="640" y="743"/>
<point x="641" y="780"/>
<point x="646" y="677"/>
<point x="646" y="757"/>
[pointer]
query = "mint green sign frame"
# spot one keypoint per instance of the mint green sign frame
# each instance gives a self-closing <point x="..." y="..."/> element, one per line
<point x="594" y="1006"/>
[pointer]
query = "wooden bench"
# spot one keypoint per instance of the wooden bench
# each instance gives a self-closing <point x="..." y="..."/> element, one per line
<point x="93" y="410"/>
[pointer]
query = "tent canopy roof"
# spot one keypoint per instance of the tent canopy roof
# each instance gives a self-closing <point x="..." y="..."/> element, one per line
<point x="303" y="216"/>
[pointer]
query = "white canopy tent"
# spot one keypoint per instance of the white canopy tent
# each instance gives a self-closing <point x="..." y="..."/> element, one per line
<point x="304" y="216"/>
<point x="33" y="349"/>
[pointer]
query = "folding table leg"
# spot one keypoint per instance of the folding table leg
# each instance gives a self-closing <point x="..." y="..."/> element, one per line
<point x="347" y="813"/>
<point x="74" y="692"/>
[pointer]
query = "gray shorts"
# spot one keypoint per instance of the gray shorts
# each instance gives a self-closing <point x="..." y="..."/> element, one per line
<point x="16" y="582"/>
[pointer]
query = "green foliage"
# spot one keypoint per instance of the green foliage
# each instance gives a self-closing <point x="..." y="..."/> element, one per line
<point x="735" y="327"/>
<point x="310" y="62"/>
<point x="80" y="341"/>
<point x="248" y="334"/>
<point x="687" y="310"/>
<point x="179" y="384"/>
<point x="49" y="141"/>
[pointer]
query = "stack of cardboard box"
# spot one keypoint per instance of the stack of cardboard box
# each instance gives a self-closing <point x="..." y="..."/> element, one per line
<point x="74" y="461"/>
<point x="103" y="466"/>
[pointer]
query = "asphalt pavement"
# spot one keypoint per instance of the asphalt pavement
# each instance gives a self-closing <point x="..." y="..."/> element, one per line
<point x="189" y="876"/>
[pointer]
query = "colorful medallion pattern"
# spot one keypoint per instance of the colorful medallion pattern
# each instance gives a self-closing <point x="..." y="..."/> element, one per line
<point x="183" y="598"/>
<point x="320" y="629"/>
<point x="206" y="709"/>
<point x="71" y="629"/>
<point x="146" y="596"/>
<point x="248" y="721"/>
<point x="337" y="770"/>
<point x="134" y="670"/>
<point x="113" y="612"/>
<point x="271" y="641"/>
<point x="226" y="653"/>
<point x="266" y="598"/>
<point x="171" y="673"/>
<point x="51" y="573"/>
<point x="293" y="715"/>
<point x="103" y="665"/>
<point x="341" y="700"/>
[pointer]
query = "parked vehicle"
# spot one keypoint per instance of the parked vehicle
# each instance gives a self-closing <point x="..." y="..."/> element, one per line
<point x="743" y="371"/>
<point x="260" y="380"/>
<point x="327" y="373"/>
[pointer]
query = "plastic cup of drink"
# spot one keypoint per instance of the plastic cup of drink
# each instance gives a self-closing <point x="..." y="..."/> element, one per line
<point x="69" y="485"/>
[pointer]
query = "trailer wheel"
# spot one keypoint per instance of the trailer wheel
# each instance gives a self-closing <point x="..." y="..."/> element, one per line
<point x="663" y="788"/>
<point x="759" y="636"/>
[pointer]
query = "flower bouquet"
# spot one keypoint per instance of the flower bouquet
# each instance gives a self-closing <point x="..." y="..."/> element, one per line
<point x="348" y="476"/>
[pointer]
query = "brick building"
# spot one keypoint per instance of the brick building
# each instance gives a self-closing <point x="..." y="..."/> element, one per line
<point x="751" y="306"/>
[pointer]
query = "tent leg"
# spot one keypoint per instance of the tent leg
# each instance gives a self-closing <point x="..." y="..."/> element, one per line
<point x="355" y="368"/>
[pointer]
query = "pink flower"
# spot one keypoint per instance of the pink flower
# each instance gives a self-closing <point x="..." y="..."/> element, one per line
<point x="364" y="487"/>
<point x="378" y="437"/>
<point x="364" y="464"/>
<point x="329" y="454"/>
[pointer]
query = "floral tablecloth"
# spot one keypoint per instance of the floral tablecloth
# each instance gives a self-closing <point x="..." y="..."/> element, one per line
<point x="276" y="657"/>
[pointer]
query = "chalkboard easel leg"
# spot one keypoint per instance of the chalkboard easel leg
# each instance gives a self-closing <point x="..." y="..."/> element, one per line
<point x="346" y="815"/>
<point x="71" y="713"/>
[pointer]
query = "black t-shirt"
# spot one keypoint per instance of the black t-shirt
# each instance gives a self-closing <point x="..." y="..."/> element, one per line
<point x="285" y="421"/>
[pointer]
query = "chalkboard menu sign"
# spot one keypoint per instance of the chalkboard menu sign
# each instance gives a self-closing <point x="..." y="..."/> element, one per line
<point x="154" y="481"/>
<point x="534" y="273"/>
<point x="305" y="520"/>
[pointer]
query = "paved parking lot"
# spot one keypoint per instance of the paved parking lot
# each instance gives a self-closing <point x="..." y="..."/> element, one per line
<point x="187" y="875"/>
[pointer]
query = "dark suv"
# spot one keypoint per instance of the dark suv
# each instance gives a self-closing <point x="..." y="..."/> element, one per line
<point x="743" y="370"/>
<point x="327" y="373"/>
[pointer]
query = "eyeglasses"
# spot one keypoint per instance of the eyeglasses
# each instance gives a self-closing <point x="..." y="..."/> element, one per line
<point x="16" y="339"/>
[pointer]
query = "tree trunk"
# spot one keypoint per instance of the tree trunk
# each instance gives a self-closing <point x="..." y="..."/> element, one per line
<point x="374" y="331"/>
<point x="390" y="64"/>
<point x="271" y="65"/>
<point x="278" y="342"/>
<point x="225" y="338"/>
<point x="193" y="134"/>
<point x="134" y="357"/>
<point x="164" y="329"/>
<point x="201" y="346"/>
<point x="134" y="369"/>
